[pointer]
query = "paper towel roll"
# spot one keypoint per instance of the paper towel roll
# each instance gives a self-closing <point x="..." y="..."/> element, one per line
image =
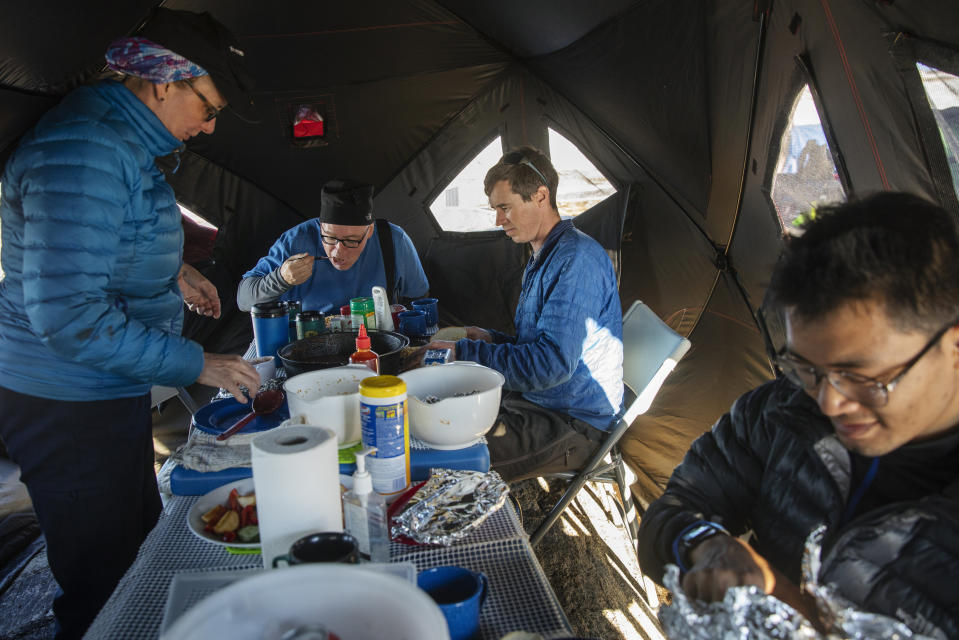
<point x="296" y="474"/>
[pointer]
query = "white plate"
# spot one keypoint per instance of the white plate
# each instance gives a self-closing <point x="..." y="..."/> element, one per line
<point x="220" y="495"/>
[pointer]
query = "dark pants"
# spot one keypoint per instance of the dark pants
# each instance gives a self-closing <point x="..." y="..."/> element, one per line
<point x="89" y="469"/>
<point x="529" y="440"/>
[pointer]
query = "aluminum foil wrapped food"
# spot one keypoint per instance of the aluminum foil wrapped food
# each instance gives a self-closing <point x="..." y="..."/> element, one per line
<point x="745" y="612"/>
<point x="449" y="506"/>
<point x="748" y="613"/>
<point x="837" y="613"/>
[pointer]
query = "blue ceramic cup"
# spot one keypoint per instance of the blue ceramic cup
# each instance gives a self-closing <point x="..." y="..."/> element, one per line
<point x="413" y="323"/>
<point x="460" y="594"/>
<point x="271" y="328"/>
<point x="428" y="305"/>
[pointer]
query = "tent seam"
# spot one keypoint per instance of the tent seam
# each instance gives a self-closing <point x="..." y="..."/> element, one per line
<point x="834" y="29"/>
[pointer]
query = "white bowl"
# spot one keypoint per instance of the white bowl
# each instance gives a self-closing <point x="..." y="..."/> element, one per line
<point x="329" y="398"/>
<point x="350" y="601"/>
<point x="454" y="422"/>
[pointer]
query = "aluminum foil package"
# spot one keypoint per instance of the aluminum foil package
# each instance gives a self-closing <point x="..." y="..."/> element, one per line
<point x="748" y="613"/>
<point x="745" y="613"/>
<point x="449" y="506"/>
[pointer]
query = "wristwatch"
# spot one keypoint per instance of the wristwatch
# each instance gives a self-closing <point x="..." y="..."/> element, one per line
<point x="690" y="537"/>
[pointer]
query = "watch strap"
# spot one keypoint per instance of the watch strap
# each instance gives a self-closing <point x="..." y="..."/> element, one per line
<point x="692" y="535"/>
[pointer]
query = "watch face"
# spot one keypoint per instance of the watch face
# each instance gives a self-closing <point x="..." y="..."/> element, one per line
<point x="699" y="531"/>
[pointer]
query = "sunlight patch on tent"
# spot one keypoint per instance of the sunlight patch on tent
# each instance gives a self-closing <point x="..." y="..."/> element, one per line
<point x="463" y="205"/>
<point x="805" y="172"/>
<point x="581" y="184"/>
<point x="942" y="90"/>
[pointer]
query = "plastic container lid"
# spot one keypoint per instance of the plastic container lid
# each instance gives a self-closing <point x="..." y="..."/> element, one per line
<point x="269" y="310"/>
<point x="382" y="387"/>
<point x="363" y="339"/>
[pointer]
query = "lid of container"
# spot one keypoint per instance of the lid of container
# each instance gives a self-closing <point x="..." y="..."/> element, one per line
<point x="362" y="340"/>
<point x="269" y="309"/>
<point x="310" y="315"/>
<point x="382" y="386"/>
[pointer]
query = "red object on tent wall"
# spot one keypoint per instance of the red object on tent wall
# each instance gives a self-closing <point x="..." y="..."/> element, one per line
<point x="308" y="123"/>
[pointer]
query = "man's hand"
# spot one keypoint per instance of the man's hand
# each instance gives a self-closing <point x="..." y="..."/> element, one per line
<point x="229" y="371"/>
<point x="297" y="269"/>
<point x="722" y="561"/>
<point x="199" y="294"/>
<point x="476" y="333"/>
<point x="414" y="358"/>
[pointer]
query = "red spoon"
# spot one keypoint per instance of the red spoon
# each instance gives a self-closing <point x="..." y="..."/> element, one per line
<point x="265" y="402"/>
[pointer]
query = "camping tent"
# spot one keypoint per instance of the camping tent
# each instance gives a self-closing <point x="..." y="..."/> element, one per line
<point x="682" y="104"/>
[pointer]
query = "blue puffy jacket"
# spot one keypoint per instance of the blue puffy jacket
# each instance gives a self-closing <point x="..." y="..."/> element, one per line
<point x="568" y="350"/>
<point x="90" y="308"/>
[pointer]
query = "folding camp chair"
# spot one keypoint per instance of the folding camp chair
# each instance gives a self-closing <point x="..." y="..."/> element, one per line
<point x="160" y="394"/>
<point x="650" y="352"/>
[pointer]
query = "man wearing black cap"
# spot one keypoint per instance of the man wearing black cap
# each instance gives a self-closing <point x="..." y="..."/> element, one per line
<point x="325" y="261"/>
<point x="92" y="302"/>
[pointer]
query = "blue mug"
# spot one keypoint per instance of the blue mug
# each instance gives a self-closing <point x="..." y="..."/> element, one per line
<point x="460" y="594"/>
<point x="430" y="306"/>
<point x="271" y="328"/>
<point x="413" y="323"/>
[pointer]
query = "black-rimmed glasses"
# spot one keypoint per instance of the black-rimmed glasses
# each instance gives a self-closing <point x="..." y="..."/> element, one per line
<point x="517" y="157"/>
<point x="863" y="390"/>
<point x="211" y="111"/>
<point x="348" y="243"/>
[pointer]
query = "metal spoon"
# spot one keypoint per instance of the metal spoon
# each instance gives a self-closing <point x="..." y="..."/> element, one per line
<point x="265" y="402"/>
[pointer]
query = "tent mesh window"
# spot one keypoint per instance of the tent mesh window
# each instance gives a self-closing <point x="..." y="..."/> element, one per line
<point x="581" y="184"/>
<point x="463" y="205"/>
<point x="805" y="173"/>
<point x="942" y="91"/>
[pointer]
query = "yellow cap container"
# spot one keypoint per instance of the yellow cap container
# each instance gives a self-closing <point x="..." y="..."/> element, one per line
<point x="382" y="387"/>
<point x="384" y="425"/>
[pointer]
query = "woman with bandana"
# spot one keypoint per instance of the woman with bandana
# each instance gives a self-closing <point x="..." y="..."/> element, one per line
<point x="91" y="303"/>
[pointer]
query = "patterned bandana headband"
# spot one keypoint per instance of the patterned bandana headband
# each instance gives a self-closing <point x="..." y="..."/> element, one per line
<point x="145" y="59"/>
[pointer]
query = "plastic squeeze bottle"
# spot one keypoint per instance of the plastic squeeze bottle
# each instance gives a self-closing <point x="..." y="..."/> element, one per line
<point x="381" y="306"/>
<point x="364" y="512"/>
<point x="363" y="354"/>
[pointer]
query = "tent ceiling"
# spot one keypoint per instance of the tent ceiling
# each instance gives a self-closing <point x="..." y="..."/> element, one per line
<point x="536" y="27"/>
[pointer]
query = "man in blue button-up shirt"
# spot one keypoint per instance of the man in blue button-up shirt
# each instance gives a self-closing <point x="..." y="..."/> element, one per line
<point x="564" y="366"/>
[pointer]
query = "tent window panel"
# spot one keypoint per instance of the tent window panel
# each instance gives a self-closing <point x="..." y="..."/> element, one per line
<point x="199" y="236"/>
<point x="805" y="172"/>
<point x="942" y="91"/>
<point x="581" y="184"/>
<point x="463" y="205"/>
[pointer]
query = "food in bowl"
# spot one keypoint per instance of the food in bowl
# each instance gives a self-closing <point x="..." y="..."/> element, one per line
<point x="452" y="405"/>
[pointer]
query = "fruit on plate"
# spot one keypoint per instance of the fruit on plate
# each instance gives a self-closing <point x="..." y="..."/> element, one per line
<point x="235" y="520"/>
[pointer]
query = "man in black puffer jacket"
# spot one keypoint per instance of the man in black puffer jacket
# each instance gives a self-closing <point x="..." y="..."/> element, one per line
<point x="861" y="433"/>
